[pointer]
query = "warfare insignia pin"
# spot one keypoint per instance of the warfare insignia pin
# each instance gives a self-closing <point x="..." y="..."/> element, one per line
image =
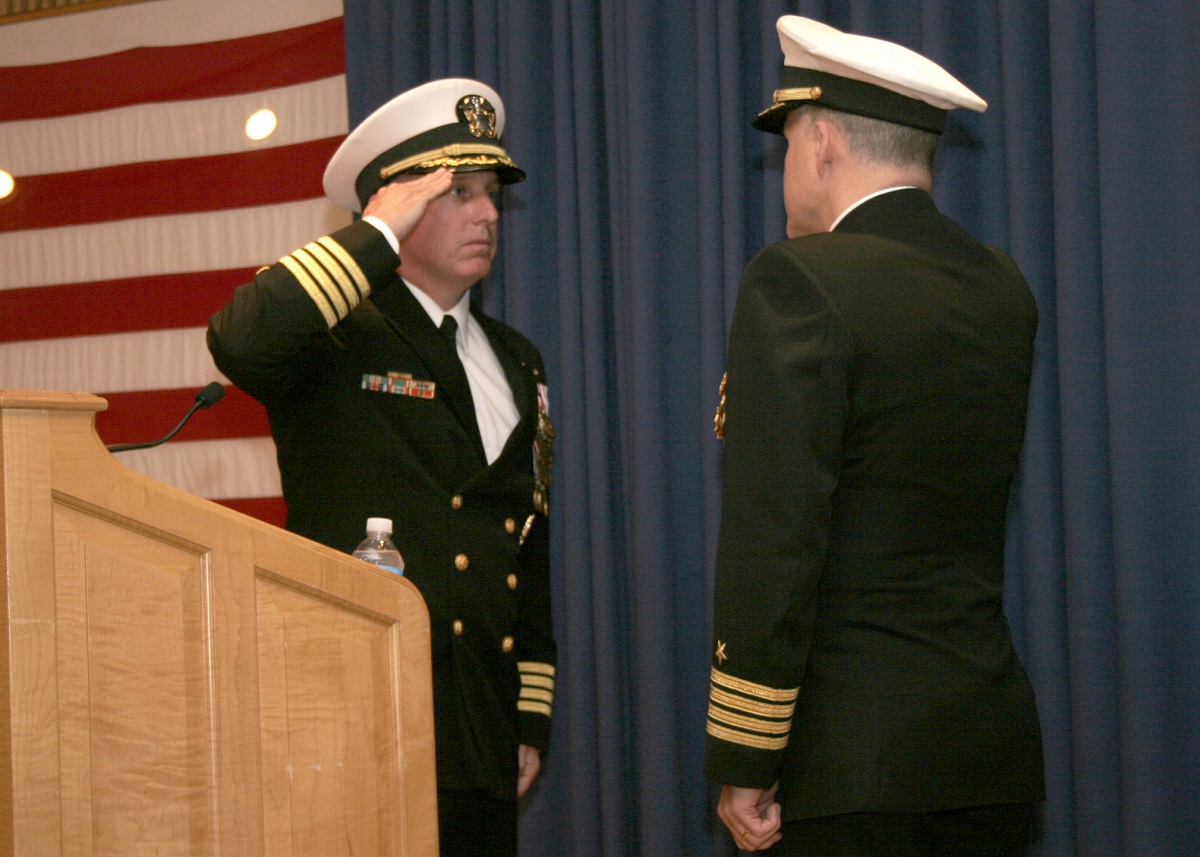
<point x="719" y="419"/>
<point x="543" y="452"/>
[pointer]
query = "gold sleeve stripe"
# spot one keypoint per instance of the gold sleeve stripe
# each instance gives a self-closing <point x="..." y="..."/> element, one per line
<point x="348" y="290"/>
<point x="749" y="688"/>
<point x="750" y="724"/>
<point x="324" y="279"/>
<point x="534" y="693"/>
<point x="745" y="739"/>
<point x="538" y="681"/>
<point x="313" y="290"/>
<point x="534" y="707"/>
<point x="775" y="710"/>
<point x="535" y="667"/>
<point x="351" y="267"/>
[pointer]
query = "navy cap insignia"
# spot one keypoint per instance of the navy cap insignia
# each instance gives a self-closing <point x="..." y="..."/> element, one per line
<point x="479" y="115"/>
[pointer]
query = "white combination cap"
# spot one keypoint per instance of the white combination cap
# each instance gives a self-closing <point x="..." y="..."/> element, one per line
<point x="858" y="74"/>
<point x="454" y="123"/>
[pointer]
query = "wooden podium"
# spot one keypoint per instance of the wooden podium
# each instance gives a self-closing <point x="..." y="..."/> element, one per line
<point x="180" y="679"/>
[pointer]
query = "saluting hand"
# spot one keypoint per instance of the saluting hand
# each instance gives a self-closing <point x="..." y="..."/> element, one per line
<point x="400" y="204"/>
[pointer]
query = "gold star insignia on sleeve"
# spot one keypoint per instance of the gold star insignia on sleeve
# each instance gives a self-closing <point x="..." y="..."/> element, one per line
<point x="720" y="653"/>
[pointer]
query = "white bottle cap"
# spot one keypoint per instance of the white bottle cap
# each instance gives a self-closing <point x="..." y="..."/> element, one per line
<point x="377" y="524"/>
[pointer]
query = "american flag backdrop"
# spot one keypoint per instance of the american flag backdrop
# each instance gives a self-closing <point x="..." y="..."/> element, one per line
<point x="140" y="204"/>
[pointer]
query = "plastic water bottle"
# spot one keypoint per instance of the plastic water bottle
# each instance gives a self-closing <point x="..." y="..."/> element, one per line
<point x="377" y="548"/>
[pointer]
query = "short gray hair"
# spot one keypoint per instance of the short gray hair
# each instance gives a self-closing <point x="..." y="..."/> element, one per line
<point x="879" y="141"/>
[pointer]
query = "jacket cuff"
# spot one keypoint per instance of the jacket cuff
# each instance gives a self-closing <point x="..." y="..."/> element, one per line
<point x="748" y="728"/>
<point x="536" y="702"/>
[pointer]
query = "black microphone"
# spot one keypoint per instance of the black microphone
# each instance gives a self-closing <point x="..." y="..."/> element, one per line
<point x="206" y="398"/>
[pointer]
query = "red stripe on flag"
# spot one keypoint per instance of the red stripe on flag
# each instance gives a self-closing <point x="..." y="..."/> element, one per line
<point x="117" y="306"/>
<point x="185" y="185"/>
<point x="207" y="70"/>
<point x="148" y="415"/>
<point x="272" y="510"/>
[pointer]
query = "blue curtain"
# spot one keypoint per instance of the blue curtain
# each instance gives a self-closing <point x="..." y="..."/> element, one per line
<point x="621" y="254"/>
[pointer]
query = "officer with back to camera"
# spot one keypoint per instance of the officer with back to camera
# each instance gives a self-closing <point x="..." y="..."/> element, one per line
<point x="866" y="700"/>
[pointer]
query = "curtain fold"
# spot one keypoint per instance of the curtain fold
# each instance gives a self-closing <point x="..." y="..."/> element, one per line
<point x="620" y="256"/>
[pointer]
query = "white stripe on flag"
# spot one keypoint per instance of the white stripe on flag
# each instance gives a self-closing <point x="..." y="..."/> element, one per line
<point x="114" y="363"/>
<point x="159" y="132"/>
<point x="149" y="246"/>
<point x="224" y="469"/>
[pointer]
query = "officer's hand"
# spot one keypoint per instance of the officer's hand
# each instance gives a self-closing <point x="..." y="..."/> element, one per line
<point x="529" y="763"/>
<point x="400" y="204"/>
<point x="752" y="816"/>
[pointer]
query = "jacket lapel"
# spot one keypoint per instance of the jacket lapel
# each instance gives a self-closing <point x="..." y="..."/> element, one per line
<point x="409" y="320"/>
<point x="519" y="447"/>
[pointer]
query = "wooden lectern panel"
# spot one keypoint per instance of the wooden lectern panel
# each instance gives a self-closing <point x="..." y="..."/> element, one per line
<point x="182" y="679"/>
<point x="328" y="725"/>
<point x="132" y="689"/>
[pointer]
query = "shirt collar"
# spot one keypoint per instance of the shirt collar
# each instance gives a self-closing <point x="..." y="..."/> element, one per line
<point x="461" y="310"/>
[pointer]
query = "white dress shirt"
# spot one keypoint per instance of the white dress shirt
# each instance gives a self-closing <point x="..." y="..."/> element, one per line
<point x="495" y="409"/>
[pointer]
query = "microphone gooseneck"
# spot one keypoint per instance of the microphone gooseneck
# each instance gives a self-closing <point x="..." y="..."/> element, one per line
<point x="206" y="398"/>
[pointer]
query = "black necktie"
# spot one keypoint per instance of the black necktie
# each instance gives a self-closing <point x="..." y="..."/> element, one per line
<point x="459" y="388"/>
<point x="449" y="330"/>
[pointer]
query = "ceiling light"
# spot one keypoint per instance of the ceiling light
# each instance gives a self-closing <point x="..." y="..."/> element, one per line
<point x="261" y="125"/>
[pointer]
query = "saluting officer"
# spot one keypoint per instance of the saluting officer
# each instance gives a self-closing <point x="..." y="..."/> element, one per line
<point x="391" y="394"/>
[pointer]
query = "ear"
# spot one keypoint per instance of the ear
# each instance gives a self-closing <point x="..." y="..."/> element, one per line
<point x="829" y="143"/>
